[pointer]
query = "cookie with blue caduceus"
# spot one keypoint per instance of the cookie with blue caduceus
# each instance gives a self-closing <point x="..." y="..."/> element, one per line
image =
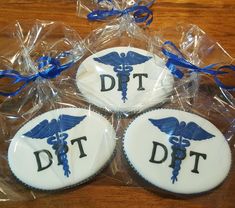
<point x="177" y="151"/>
<point x="61" y="148"/>
<point x="124" y="79"/>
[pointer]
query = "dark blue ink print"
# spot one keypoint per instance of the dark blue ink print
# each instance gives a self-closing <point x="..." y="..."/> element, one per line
<point x="54" y="132"/>
<point x="123" y="66"/>
<point x="180" y="134"/>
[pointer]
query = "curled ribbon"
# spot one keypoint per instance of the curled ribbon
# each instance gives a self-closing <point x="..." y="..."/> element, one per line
<point x="141" y="13"/>
<point x="48" y="68"/>
<point x="174" y="61"/>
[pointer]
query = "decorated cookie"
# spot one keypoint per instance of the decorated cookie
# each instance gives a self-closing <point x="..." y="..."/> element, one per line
<point x="124" y="79"/>
<point x="177" y="151"/>
<point x="61" y="148"/>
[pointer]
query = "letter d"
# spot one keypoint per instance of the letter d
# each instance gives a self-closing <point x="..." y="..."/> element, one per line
<point x="103" y="86"/>
<point x="38" y="159"/>
<point x="154" y="151"/>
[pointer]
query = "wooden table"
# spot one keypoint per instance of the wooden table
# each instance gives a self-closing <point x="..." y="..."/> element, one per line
<point x="216" y="17"/>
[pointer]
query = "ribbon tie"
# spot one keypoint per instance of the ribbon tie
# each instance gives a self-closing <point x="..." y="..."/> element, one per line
<point x="174" y="61"/>
<point x="141" y="13"/>
<point x="48" y="68"/>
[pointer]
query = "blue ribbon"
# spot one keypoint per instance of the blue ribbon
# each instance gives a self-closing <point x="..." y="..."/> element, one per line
<point x="48" y="68"/>
<point x="178" y="60"/>
<point x="221" y="84"/>
<point x="99" y="1"/>
<point x="141" y="13"/>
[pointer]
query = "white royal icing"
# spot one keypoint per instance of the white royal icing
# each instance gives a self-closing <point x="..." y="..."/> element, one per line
<point x="145" y="82"/>
<point x="148" y="148"/>
<point x="90" y="144"/>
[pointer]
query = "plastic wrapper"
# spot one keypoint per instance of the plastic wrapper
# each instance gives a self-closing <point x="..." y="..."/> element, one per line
<point x="196" y="93"/>
<point x="46" y="143"/>
<point x="143" y="155"/>
<point x="121" y="73"/>
<point x="84" y="8"/>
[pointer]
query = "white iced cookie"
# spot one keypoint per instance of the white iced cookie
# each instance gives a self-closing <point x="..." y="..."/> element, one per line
<point x="177" y="151"/>
<point x="124" y="79"/>
<point x="61" y="148"/>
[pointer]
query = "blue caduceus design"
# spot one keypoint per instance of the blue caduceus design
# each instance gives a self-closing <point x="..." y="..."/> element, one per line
<point x="56" y="137"/>
<point x="180" y="133"/>
<point x="123" y="66"/>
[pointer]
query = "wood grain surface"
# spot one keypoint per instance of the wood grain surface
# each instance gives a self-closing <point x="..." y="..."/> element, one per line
<point x="216" y="17"/>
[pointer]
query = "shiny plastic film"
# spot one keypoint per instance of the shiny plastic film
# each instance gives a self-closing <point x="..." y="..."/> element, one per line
<point x="84" y="8"/>
<point x="124" y="105"/>
<point x="46" y="140"/>
<point x="166" y="90"/>
<point x="123" y="71"/>
<point x="174" y="148"/>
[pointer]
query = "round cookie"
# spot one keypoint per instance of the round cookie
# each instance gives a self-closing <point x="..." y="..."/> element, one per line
<point x="61" y="148"/>
<point x="124" y="79"/>
<point x="177" y="151"/>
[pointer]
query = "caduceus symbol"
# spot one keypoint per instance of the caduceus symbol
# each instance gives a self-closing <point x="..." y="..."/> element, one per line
<point x="180" y="133"/>
<point x="54" y="132"/>
<point x="123" y="66"/>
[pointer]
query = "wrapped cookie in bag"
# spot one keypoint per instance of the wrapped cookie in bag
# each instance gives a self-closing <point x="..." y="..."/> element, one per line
<point x="186" y="146"/>
<point x="103" y="10"/>
<point x="123" y="72"/>
<point x="46" y="143"/>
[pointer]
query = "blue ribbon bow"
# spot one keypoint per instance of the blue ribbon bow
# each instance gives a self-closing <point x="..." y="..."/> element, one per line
<point x="48" y="68"/>
<point x="174" y="61"/>
<point x="141" y="13"/>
